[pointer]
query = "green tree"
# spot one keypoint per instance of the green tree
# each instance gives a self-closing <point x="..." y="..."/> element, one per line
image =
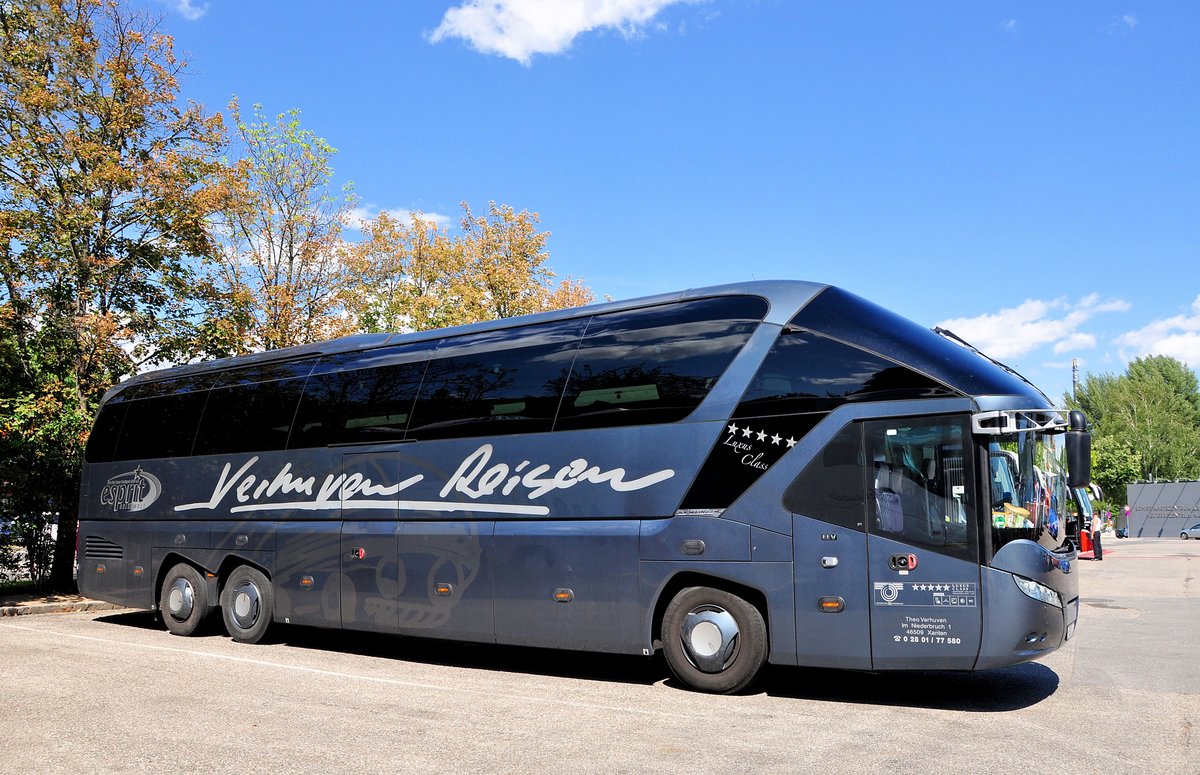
<point x="107" y="183"/>
<point x="278" y="277"/>
<point x="1157" y="422"/>
<point x="1152" y="411"/>
<point x="1114" y="465"/>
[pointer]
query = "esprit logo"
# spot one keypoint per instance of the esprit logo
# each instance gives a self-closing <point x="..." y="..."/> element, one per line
<point x="131" y="491"/>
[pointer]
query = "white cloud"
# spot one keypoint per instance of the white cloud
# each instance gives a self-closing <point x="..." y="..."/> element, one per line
<point x="518" y="29"/>
<point x="188" y="11"/>
<point x="1009" y="25"/>
<point x="1128" y="19"/>
<point x="359" y="215"/>
<point x="1177" y="336"/>
<point x="1075" y="342"/>
<point x="1035" y="323"/>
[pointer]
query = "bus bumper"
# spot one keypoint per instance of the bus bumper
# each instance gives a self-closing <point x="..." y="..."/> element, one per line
<point x="1032" y="604"/>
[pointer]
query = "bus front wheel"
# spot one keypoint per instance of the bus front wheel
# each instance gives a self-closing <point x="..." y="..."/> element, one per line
<point x="183" y="601"/>
<point x="714" y="640"/>
<point x="247" y="604"/>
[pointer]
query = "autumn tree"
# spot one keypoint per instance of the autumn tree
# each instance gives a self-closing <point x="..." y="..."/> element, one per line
<point x="278" y="277"/>
<point x="505" y="258"/>
<point x="405" y="276"/>
<point x="107" y="181"/>
<point x="415" y="276"/>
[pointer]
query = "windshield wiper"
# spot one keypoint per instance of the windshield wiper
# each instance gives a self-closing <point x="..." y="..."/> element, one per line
<point x="956" y="338"/>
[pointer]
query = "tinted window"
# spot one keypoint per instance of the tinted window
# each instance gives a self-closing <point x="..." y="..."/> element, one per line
<point x="805" y="372"/>
<point x="102" y="441"/>
<point x="253" y="417"/>
<point x="830" y="488"/>
<point x="502" y="382"/>
<point x="655" y="365"/>
<point x="166" y="387"/>
<point x="850" y="318"/>
<point x="163" y="426"/>
<point x="265" y="373"/>
<point x="360" y="397"/>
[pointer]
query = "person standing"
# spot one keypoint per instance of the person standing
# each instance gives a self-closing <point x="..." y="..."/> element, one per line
<point x="1097" y="529"/>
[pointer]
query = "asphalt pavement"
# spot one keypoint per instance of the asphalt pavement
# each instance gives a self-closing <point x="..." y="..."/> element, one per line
<point x="111" y="691"/>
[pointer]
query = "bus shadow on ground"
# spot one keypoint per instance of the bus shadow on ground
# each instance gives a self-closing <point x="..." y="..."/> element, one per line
<point x="992" y="691"/>
<point x="620" y="668"/>
<point x="989" y="691"/>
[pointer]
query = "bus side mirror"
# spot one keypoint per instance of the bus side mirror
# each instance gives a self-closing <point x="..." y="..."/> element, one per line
<point x="1079" y="451"/>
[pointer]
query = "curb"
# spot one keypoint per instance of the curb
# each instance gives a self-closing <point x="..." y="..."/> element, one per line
<point x="59" y="608"/>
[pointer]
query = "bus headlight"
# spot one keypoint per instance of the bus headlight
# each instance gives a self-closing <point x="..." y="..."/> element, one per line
<point x="1039" y="591"/>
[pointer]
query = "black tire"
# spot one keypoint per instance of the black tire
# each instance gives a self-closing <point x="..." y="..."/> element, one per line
<point x="714" y="641"/>
<point x="183" y="599"/>
<point x="1184" y="536"/>
<point x="247" y="604"/>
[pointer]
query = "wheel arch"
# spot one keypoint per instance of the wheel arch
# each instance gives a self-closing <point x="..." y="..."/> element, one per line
<point x="233" y="561"/>
<point x="684" y="579"/>
<point x="169" y="561"/>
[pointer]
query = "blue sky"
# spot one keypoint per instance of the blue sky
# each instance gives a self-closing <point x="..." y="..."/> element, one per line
<point x="1025" y="173"/>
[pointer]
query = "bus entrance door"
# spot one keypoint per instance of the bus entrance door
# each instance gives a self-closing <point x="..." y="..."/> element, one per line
<point x="925" y="611"/>
<point x="922" y="544"/>
<point x="369" y="550"/>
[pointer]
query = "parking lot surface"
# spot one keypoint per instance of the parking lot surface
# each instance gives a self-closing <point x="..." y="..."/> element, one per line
<point x="114" y="692"/>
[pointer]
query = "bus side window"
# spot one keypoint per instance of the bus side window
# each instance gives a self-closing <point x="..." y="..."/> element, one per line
<point x="361" y="406"/>
<point x="161" y="426"/>
<point x="830" y="488"/>
<point x="655" y="365"/>
<point x="248" y="417"/>
<point x="160" y="418"/>
<point x="806" y="372"/>
<point x="102" y="441"/>
<point x="496" y="383"/>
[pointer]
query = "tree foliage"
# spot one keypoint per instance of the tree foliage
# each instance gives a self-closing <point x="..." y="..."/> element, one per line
<point x="127" y="240"/>
<point x="277" y="278"/>
<point x="405" y="276"/>
<point x="415" y="276"/>
<point x="107" y="184"/>
<point x="1152" y="413"/>
<point x="1114" y="465"/>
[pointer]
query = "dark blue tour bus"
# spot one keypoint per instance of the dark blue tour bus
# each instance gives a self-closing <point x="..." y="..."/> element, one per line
<point x="765" y="472"/>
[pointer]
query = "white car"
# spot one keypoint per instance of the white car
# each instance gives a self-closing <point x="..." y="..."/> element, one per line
<point x="1190" y="532"/>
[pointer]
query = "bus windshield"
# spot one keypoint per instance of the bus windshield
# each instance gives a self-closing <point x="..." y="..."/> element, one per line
<point x="1028" y="491"/>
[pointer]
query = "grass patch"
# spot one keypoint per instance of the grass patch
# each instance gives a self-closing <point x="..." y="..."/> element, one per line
<point x="17" y="587"/>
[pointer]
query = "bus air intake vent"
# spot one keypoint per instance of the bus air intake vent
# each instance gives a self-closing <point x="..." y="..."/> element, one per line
<point x="98" y="548"/>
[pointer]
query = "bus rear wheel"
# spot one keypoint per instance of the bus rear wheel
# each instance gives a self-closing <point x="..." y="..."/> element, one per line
<point x="714" y="641"/>
<point x="183" y="601"/>
<point x="247" y="604"/>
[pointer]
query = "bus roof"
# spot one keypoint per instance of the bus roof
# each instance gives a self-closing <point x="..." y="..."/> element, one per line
<point x="783" y="296"/>
<point x="819" y="307"/>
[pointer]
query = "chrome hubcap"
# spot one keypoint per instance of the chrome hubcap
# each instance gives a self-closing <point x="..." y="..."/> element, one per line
<point x="710" y="638"/>
<point x="245" y="605"/>
<point x="181" y="599"/>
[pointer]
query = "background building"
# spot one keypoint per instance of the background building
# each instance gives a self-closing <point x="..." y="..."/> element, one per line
<point x="1162" y="508"/>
